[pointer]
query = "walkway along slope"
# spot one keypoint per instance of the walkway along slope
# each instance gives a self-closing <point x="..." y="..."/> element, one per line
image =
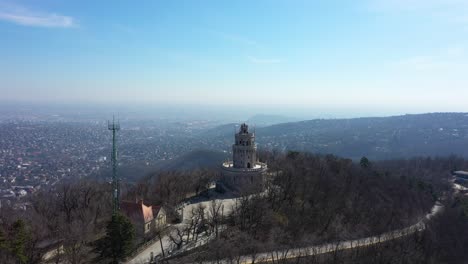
<point x="273" y="256"/>
<point x="336" y="246"/>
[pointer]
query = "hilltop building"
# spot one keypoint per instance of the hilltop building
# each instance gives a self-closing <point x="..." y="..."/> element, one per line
<point x="244" y="173"/>
<point x="461" y="177"/>
<point x="145" y="218"/>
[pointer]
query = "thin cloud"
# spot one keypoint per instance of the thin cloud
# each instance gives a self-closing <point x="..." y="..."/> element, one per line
<point x="451" y="58"/>
<point x="26" y="17"/>
<point x="236" y="39"/>
<point x="422" y="63"/>
<point x="453" y="12"/>
<point x="418" y="4"/>
<point x="455" y="51"/>
<point x="263" y="61"/>
<point x="239" y="39"/>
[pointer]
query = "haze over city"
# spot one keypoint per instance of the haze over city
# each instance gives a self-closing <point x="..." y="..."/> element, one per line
<point x="233" y="131"/>
<point x="335" y="58"/>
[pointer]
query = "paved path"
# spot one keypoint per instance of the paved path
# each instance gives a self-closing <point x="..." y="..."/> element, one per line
<point x="144" y="256"/>
<point x="337" y="246"/>
<point x="459" y="187"/>
<point x="155" y="248"/>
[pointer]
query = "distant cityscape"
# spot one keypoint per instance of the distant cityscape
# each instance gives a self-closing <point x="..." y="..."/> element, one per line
<point x="37" y="154"/>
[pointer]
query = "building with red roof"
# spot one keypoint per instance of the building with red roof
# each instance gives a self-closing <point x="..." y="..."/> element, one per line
<point x="145" y="218"/>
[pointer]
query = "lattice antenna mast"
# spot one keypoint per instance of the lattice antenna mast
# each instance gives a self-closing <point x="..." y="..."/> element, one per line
<point x="114" y="127"/>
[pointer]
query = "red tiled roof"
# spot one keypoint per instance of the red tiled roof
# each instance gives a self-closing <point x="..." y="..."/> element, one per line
<point x="137" y="211"/>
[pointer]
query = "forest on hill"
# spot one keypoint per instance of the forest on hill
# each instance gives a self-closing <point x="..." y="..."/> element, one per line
<point x="311" y="199"/>
<point x="378" y="138"/>
<point x="319" y="199"/>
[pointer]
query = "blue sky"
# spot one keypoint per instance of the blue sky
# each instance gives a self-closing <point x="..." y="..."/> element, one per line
<point x="395" y="56"/>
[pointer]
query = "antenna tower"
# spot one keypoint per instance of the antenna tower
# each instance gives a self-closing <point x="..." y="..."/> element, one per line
<point x="114" y="127"/>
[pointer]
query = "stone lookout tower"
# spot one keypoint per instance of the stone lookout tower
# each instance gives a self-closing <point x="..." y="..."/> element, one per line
<point x="244" y="172"/>
<point x="244" y="150"/>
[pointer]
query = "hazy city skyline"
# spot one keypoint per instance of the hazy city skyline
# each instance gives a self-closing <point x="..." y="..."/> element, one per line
<point x="374" y="56"/>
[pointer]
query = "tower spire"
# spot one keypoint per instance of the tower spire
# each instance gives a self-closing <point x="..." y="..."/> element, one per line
<point x="114" y="127"/>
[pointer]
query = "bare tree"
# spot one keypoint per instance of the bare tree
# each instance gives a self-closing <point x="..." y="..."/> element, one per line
<point x="177" y="237"/>
<point x="215" y="216"/>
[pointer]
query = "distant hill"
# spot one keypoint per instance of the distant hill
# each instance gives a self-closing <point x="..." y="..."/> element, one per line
<point x="436" y="134"/>
<point x="268" y="120"/>
<point x="197" y="159"/>
<point x="220" y="131"/>
<point x="256" y="121"/>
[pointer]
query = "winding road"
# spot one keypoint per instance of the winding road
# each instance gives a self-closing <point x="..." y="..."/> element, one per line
<point x="155" y="249"/>
<point x="342" y="245"/>
<point x="337" y="246"/>
<point x="266" y="257"/>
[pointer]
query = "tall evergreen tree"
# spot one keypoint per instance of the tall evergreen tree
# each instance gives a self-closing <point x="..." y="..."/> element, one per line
<point x="118" y="241"/>
<point x="2" y="240"/>
<point x="19" y="239"/>
<point x="365" y="163"/>
<point x="5" y="256"/>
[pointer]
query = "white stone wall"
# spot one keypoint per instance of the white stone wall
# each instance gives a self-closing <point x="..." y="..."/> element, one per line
<point x="244" y="151"/>
<point x="252" y="181"/>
